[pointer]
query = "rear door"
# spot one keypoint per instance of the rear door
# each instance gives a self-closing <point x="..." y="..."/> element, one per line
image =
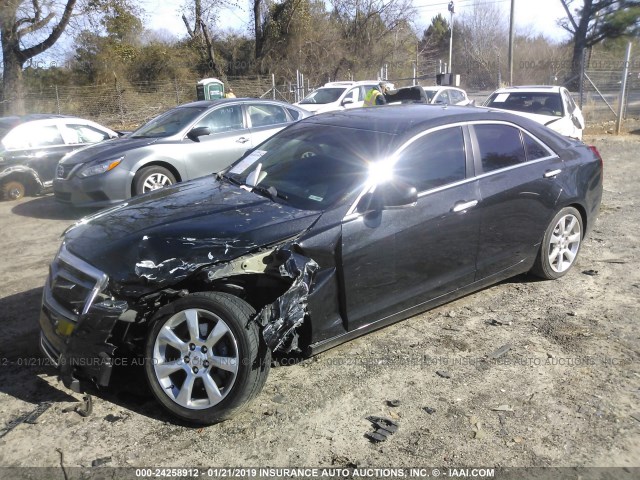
<point x="397" y="259"/>
<point x="517" y="177"/>
<point x="265" y="120"/>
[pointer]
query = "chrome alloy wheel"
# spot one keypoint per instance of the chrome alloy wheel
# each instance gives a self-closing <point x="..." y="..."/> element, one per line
<point x="196" y="359"/>
<point x="564" y="243"/>
<point x="155" y="181"/>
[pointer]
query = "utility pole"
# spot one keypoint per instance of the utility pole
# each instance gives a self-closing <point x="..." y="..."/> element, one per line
<point x="452" y="11"/>
<point x="511" y="35"/>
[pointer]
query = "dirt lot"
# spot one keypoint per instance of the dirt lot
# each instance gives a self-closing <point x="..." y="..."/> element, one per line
<point x="565" y="394"/>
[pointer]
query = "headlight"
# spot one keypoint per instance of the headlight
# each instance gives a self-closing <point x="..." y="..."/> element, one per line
<point x="101" y="167"/>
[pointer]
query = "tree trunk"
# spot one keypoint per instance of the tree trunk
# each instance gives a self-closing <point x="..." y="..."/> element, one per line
<point x="12" y="92"/>
<point x="257" y="24"/>
<point x="579" y="44"/>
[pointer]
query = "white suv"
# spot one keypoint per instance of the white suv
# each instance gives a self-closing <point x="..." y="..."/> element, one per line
<point x="337" y="96"/>
<point x="550" y="105"/>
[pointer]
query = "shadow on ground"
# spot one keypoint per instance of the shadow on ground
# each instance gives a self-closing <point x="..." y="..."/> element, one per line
<point x="46" y="207"/>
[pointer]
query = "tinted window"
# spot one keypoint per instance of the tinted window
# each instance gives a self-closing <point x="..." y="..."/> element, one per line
<point x="314" y="166"/>
<point x="500" y="146"/>
<point x="534" y="149"/>
<point x="224" y="119"/>
<point x="262" y="115"/>
<point x="433" y="160"/>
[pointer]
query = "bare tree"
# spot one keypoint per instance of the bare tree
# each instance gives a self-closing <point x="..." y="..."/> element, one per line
<point x="201" y="37"/>
<point x="22" y="23"/>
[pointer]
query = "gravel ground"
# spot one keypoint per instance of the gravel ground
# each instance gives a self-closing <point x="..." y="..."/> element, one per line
<point x="565" y="393"/>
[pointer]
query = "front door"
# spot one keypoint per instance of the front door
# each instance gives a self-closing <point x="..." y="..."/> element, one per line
<point x="395" y="259"/>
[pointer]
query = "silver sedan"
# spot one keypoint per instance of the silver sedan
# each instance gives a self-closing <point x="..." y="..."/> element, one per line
<point x="186" y="142"/>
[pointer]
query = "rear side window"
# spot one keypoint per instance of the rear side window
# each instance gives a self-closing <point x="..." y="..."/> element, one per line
<point x="534" y="150"/>
<point x="223" y="119"/>
<point x="500" y="146"/>
<point x="263" y="115"/>
<point x="295" y="114"/>
<point x="84" y="134"/>
<point x="433" y="160"/>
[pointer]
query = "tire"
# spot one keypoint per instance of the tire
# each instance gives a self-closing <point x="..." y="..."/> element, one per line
<point x="13" y="190"/>
<point x="152" y="178"/>
<point x="199" y="379"/>
<point x="560" y="245"/>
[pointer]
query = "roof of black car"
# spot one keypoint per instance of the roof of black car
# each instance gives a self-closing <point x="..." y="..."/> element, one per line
<point x="398" y="119"/>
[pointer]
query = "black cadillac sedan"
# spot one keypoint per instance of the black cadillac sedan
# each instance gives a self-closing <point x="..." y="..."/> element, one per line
<point x="338" y="225"/>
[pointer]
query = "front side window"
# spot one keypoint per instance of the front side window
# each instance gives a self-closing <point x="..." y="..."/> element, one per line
<point x="500" y="146"/>
<point x="169" y="123"/>
<point x="434" y="160"/>
<point x="313" y="167"/>
<point x="33" y="136"/>
<point x="224" y="119"/>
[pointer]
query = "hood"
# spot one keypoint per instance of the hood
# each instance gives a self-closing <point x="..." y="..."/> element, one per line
<point x="105" y="150"/>
<point x="161" y="238"/>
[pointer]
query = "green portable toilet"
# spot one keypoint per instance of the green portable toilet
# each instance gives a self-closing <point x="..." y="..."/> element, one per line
<point x="210" y="89"/>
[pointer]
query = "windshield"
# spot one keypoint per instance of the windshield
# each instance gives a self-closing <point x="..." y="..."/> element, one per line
<point x="169" y="123"/>
<point x="324" y="95"/>
<point x="543" y="103"/>
<point x="313" y="166"/>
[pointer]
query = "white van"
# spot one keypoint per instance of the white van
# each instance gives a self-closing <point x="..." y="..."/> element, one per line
<point x="338" y="96"/>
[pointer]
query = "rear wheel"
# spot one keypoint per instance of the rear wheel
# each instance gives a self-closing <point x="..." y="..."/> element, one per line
<point x="13" y="190"/>
<point x="560" y="245"/>
<point x="152" y="178"/>
<point x="205" y="357"/>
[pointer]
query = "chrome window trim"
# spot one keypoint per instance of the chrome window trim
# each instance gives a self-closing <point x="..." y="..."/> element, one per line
<point x="369" y="187"/>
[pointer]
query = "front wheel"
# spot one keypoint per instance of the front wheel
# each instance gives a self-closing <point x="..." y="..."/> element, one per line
<point x="560" y="245"/>
<point x="204" y="356"/>
<point x="152" y="178"/>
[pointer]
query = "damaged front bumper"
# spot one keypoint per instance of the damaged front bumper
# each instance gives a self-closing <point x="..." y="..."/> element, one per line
<point x="76" y="323"/>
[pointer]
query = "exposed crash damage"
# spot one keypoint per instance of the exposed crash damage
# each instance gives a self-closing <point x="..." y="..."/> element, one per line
<point x="282" y="318"/>
<point x="324" y="236"/>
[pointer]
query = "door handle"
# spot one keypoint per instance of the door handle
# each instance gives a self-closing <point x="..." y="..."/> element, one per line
<point x="242" y="140"/>
<point x="552" y="173"/>
<point x="462" y="206"/>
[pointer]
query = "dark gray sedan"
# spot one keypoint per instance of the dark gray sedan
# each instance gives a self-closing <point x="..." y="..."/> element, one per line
<point x="186" y="142"/>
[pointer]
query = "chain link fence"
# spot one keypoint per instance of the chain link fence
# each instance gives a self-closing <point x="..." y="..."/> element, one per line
<point x="125" y="106"/>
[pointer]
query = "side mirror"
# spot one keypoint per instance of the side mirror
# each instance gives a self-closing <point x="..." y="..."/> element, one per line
<point x="388" y="196"/>
<point x="196" y="133"/>
<point x="347" y="101"/>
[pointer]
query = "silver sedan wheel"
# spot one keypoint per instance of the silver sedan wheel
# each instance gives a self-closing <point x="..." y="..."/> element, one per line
<point x="195" y="356"/>
<point x="155" y="181"/>
<point x="564" y="243"/>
